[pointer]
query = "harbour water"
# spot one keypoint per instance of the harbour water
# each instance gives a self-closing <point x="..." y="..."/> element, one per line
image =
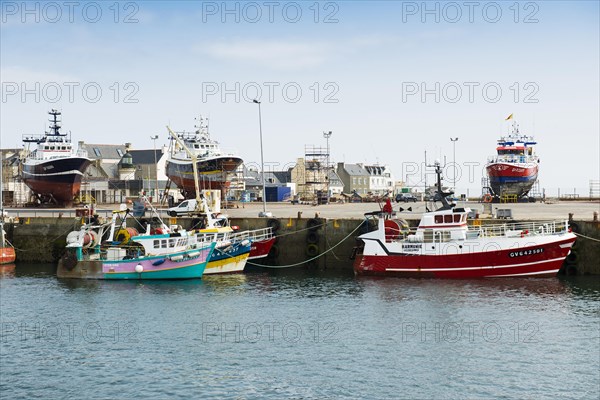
<point x="298" y="334"/>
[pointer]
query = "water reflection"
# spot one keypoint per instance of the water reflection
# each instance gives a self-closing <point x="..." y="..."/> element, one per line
<point x="304" y="286"/>
<point x="35" y="270"/>
<point x="7" y="271"/>
<point x="150" y="286"/>
<point x="464" y="291"/>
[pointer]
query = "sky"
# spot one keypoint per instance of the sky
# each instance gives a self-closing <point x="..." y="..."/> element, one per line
<point x="391" y="80"/>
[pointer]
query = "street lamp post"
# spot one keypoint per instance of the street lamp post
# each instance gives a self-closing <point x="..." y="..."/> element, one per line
<point x="454" y="140"/>
<point x="327" y="135"/>
<point x="264" y="212"/>
<point x="155" y="168"/>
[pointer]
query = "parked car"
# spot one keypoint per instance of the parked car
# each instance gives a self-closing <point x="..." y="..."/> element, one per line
<point x="405" y="197"/>
<point x="186" y="207"/>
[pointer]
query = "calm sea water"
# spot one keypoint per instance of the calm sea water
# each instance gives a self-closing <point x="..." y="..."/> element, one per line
<point x="302" y="335"/>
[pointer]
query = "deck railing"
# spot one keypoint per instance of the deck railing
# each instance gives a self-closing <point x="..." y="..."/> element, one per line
<point x="521" y="229"/>
<point x="256" y="235"/>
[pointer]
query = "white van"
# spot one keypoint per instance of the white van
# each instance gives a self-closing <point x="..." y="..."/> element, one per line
<point x="186" y="207"/>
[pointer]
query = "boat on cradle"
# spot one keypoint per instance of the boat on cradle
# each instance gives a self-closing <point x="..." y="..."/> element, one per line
<point x="214" y="167"/>
<point x="125" y="254"/>
<point x="445" y="246"/>
<point x="54" y="169"/>
<point x="514" y="169"/>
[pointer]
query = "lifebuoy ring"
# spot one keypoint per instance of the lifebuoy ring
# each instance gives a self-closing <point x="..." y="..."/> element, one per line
<point x="487" y="198"/>
<point x="312" y="237"/>
<point x="312" y="250"/>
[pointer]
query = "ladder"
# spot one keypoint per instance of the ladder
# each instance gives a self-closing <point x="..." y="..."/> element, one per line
<point x="166" y="192"/>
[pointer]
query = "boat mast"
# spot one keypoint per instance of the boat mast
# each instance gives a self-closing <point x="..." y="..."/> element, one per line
<point x="54" y="128"/>
<point x="194" y="159"/>
<point x="445" y="204"/>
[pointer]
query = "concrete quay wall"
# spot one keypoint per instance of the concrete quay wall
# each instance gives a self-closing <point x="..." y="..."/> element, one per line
<point x="301" y="242"/>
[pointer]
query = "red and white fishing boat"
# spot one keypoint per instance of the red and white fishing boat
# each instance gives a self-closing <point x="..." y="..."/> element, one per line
<point x="445" y="246"/>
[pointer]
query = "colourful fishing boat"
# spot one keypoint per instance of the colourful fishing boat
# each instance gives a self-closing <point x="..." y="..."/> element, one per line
<point x="172" y="255"/>
<point x="262" y="241"/>
<point x="231" y="252"/>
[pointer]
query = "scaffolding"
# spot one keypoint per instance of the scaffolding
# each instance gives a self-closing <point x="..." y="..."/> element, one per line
<point x="314" y="183"/>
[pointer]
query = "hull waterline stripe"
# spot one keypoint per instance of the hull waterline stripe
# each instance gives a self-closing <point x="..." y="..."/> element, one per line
<point x="469" y="268"/>
<point x="550" y="271"/>
<point x="74" y="171"/>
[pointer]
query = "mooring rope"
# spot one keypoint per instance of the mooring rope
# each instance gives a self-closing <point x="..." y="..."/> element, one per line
<point x="587" y="237"/>
<point x="305" y="229"/>
<point x="310" y="259"/>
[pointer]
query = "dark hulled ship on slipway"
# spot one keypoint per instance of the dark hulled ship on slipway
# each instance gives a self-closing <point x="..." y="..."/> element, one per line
<point x="53" y="169"/>
<point x="215" y="167"/>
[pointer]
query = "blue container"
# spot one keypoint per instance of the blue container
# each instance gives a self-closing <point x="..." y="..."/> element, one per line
<point x="277" y="193"/>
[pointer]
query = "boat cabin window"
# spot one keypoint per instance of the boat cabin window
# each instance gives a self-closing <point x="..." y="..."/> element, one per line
<point x="46" y="147"/>
<point x="439" y="219"/>
<point x="456" y="218"/>
<point x="448" y="219"/>
<point x="157" y="244"/>
<point x="163" y="243"/>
